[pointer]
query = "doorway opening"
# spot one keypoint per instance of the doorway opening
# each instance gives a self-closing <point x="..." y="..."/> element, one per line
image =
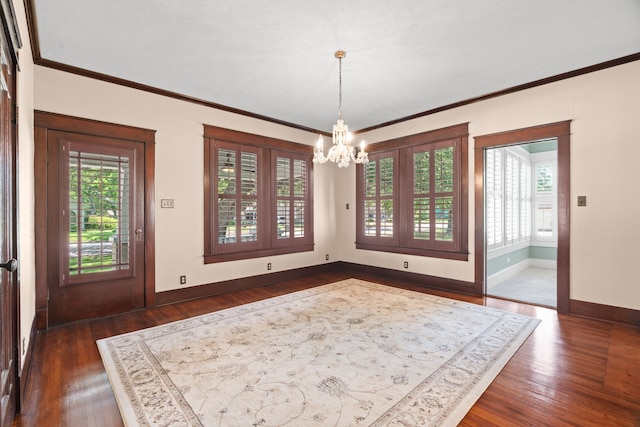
<point x="561" y="132"/>
<point x="520" y="193"/>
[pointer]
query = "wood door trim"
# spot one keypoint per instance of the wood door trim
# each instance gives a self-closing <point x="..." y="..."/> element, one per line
<point x="561" y="131"/>
<point x="45" y="121"/>
<point x="64" y="123"/>
<point x="10" y="365"/>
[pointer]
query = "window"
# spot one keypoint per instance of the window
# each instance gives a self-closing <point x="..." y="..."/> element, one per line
<point x="258" y="196"/>
<point x="378" y="204"/>
<point x="100" y="209"/>
<point x="508" y="188"/>
<point x="292" y="197"/>
<point x="544" y="201"/>
<point x="494" y="193"/>
<point x="411" y="196"/>
<point x="519" y="196"/>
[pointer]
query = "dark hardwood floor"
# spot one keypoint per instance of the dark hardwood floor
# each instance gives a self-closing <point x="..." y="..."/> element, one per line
<point x="570" y="372"/>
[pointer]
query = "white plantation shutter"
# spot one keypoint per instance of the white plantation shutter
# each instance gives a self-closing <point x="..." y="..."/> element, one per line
<point x="525" y="201"/>
<point x="508" y="198"/>
<point x="494" y="195"/>
<point x="512" y="199"/>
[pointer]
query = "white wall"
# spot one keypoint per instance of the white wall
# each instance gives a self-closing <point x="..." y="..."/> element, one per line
<point x="179" y="171"/>
<point x="602" y="105"/>
<point x="605" y="149"/>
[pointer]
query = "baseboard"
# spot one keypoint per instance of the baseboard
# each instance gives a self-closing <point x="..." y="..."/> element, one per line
<point x="431" y="282"/>
<point x="227" y="286"/>
<point x="507" y="273"/>
<point x="25" y="371"/>
<point x="604" y="312"/>
<point x="577" y="308"/>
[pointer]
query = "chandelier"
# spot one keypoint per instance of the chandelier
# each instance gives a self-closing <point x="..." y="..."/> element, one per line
<point x="341" y="152"/>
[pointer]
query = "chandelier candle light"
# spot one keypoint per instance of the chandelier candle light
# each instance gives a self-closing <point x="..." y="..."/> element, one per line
<point x="341" y="152"/>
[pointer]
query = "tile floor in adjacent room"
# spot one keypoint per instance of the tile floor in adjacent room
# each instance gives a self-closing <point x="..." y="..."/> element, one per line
<point x="533" y="285"/>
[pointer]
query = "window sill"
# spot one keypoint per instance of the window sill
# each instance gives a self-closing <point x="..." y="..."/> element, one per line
<point x="214" y="258"/>
<point x="431" y="253"/>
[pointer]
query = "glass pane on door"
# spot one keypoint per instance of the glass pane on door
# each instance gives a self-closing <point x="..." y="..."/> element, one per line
<point x="99" y="212"/>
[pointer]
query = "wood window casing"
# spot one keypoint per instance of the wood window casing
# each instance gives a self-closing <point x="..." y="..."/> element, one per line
<point x="269" y="238"/>
<point x="404" y="240"/>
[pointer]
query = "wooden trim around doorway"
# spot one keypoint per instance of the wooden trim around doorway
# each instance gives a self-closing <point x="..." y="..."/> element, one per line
<point x="45" y="122"/>
<point x="561" y="131"/>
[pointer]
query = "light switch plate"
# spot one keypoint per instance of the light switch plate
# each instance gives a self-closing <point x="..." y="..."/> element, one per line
<point x="166" y="203"/>
<point x="582" y="200"/>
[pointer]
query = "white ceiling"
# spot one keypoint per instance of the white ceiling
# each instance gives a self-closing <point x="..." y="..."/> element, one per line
<point x="276" y="58"/>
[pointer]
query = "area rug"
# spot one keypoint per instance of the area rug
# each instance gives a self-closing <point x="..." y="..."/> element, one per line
<point x="351" y="353"/>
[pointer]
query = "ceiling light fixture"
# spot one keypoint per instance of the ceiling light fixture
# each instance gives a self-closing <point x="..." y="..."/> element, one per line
<point x="341" y="152"/>
<point x="228" y="167"/>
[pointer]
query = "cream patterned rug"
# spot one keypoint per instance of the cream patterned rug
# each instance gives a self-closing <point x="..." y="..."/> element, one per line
<point x="351" y="353"/>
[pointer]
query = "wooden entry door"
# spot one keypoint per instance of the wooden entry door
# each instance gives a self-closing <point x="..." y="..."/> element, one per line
<point x="8" y="248"/>
<point x="95" y="226"/>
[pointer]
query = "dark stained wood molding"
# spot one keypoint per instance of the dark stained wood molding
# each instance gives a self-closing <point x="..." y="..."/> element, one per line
<point x="40" y="224"/>
<point x="236" y="136"/>
<point x="39" y="60"/>
<point x="269" y="149"/>
<point x="32" y="26"/>
<point x="25" y="370"/>
<point x="236" y="256"/>
<point x="431" y="253"/>
<point x="561" y="131"/>
<point x="45" y="122"/>
<point x="167" y="93"/>
<point x="460" y="130"/>
<point x="541" y="82"/>
<point x="149" y="225"/>
<point x="424" y="280"/>
<point x="226" y="286"/>
<point x="578" y="308"/>
<point x="64" y="123"/>
<point x="12" y="29"/>
<point x="518" y="136"/>
<point x="201" y="291"/>
<point x="605" y="312"/>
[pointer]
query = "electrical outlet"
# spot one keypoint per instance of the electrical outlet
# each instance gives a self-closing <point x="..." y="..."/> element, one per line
<point x="326" y="257"/>
<point x="183" y="280"/>
<point x="268" y="266"/>
<point x="406" y="264"/>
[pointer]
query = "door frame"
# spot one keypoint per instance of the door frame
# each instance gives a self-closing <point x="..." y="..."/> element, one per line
<point x="46" y="121"/>
<point x="11" y="34"/>
<point x="561" y="131"/>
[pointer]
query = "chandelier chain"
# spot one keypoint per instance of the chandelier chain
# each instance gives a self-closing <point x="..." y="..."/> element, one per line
<point x="340" y="87"/>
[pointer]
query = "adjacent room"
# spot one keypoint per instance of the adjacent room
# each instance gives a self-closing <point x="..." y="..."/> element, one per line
<point x="521" y="222"/>
<point x="319" y="214"/>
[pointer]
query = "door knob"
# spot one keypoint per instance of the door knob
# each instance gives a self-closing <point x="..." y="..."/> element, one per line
<point x="11" y="265"/>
